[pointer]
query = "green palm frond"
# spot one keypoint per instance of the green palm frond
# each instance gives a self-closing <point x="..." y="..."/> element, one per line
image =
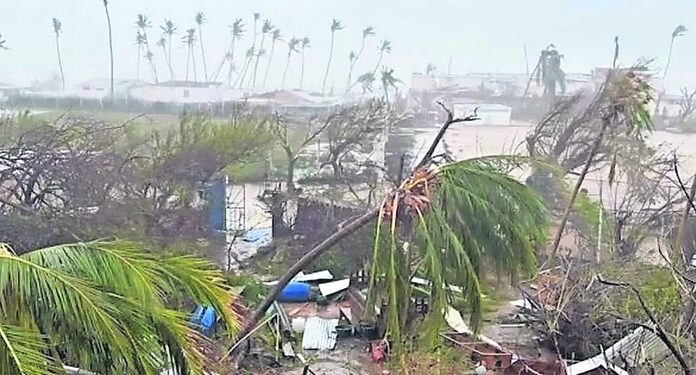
<point x="21" y="352"/>
<point x="449" y="225"/>
<point x="103" y="306"/>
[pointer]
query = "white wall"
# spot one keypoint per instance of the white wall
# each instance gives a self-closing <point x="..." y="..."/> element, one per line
<point x="184" y="95"/>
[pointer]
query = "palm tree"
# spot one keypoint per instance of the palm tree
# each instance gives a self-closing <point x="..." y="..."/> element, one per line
<point x="169" y="29"/>
<point x="140" y="42"/>
<point x="366" y="33"/>
<point x="111" y="50"/>
<point x="388" y="80"/>
<point x="335" y="26"/>
<point x="2" y="43"/>
<point x="251" y="52"/>
<point x="623" y="101"/>
<point x="143" y="23"/>
<point x="266" y="28"/>
<point x="190" y="40"/>
<point x="430" y="69"/>
<point x="366" y="81"/>
<point x="105" y="306"/>
<point x="677" y="32"/>
<point x="200" y="19"/>
<point x="304" y="44"/>
<point x="276" y="36"/>
<point x="237" y="30"/>
<point x="428" y="232"/>
<point x="292" y="48"/>
<point x="384" y="47"/>
<point x="57" y="29"/>
<point x="162" y="43"/>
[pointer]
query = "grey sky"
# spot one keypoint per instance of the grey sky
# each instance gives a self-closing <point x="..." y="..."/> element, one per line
<point x="478" y="35"/>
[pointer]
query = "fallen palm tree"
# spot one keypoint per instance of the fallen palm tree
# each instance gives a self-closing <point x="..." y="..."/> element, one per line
<point x="444" y="222"/>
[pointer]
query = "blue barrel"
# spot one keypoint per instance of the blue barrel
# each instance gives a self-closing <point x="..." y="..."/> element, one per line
<point x="295" y="292"/>
<point x="208" y="321"/>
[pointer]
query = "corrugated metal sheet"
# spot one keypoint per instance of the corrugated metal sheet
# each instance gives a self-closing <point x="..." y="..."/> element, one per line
<point x="637" y="347"/>
<point x="319" y="334"/>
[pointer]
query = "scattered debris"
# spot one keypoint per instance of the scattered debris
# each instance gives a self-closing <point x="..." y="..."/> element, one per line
<point x="319" y="334"/>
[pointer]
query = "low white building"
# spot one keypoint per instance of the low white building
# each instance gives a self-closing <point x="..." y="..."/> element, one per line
<point x="180" y="92"/>
<point x="488" y="113"/>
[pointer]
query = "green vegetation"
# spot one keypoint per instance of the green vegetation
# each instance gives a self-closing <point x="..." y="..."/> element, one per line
<point x="450" y="223"/>
<point x="105" y="306"/>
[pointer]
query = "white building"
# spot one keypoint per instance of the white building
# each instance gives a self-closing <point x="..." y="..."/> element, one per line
<point x="180" y="92"/>
<point x="488" y="113"/>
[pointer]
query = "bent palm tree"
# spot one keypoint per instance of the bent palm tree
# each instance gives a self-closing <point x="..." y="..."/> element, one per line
<point x="366" y="33"/>
<point x="190" y="40"/>
<point x="143" y="23"/>
<point x="200" y="19"/>
<point x="459" y="217"/>
<point x="105" y="306"/>
<point x="237" y="29"/>
<point x="384" y="47"/>
<point x="388" y="80"/>
<point x="250" y="52"/>
<point x="622" y="101"/>
<point x="169" y="29"/>
<point x="366" y="81"/>
<point x="140" y="42"/>
<point x="57" y="29"/>
<point x="678" y="31"/>
<point x="111" y="50"/>
<point x="292" y="48"/>
<point x="335" y="26"/>
<point x="265" y="29"/>
<point x="276" y="36"/>
<point x="303" y="45"/>
<point x="162" y="43"/>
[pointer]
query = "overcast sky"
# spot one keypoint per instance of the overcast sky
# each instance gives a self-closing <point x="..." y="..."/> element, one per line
<point x="477" y="35"/>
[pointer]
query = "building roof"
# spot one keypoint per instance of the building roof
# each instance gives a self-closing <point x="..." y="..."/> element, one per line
<point x="295" y="98"/>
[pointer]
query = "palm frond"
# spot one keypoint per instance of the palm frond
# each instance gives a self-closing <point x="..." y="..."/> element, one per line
<point x="22" y="352"/>
<point x="460" y="219"/>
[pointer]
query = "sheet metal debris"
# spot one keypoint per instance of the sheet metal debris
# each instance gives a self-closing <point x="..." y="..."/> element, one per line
<point x="319" y="334"/>
<point x="334" y="287"/>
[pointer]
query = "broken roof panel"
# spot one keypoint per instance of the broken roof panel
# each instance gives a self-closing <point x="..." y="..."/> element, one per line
<point x="319" y="334"/>
<point x="334" y="287"/>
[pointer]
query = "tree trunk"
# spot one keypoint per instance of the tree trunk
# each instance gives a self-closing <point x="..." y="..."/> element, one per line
<point x="60" y="62"/>
<point x="258" y="59"/>
<point x="111" y="52"/>
<point x="305" y="261"/>
<point x="328" y="64"/>
<point x="205" y="66"/>
<point x="683" y="225"/>
<point x="290" y="178"/>
<point x="169" y="60"/>
<point x="268" y="66"/>
<point x="576" y="190"/>
<point x="302" y="70"/>
<point x="285" y="71"/>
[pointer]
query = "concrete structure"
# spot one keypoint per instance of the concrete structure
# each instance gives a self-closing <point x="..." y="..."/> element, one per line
<point x="180" y="92"/>
<point x="489" y="114"/>
<point x="295" y="101"/>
